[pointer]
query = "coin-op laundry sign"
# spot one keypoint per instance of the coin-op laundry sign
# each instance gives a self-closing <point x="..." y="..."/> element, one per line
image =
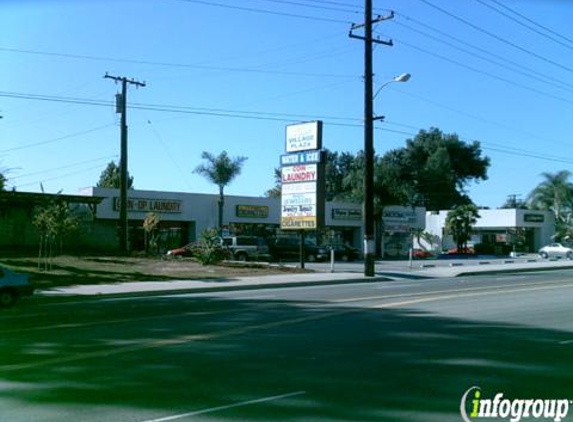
<point x="302" y="177"/>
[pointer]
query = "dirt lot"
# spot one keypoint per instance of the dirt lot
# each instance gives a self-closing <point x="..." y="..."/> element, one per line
<point x="69" y="270"/>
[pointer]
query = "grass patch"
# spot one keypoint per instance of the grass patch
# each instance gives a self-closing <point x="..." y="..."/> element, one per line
<point x="72" y="270"/>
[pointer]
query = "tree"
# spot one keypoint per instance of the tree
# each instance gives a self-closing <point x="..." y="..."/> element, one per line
<point x="54" y="221"/>
<point x="150" y="226"/>
<point x="513" y="203"/>
<point x="220" y="170"/>
<point x="459" y="223"/>
<point x="111" y="177"/>
<point x="437" y="167"/>
<point x="3" y="182"/>
<point x="555" y="194"/>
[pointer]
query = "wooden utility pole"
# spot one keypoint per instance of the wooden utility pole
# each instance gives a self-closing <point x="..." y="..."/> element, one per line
<point x="121" y="107"/>
<point x="369" y="235"/>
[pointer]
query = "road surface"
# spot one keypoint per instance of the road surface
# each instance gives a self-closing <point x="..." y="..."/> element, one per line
<point x="391" y="351"/>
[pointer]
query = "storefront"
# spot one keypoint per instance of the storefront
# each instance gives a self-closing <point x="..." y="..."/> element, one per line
<point x="183" y="216"/>
<point x="399" y="228"/>
<point x="498" y="230"/>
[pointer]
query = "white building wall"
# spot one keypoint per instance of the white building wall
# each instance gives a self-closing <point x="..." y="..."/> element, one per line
<point x="542" y="222"/>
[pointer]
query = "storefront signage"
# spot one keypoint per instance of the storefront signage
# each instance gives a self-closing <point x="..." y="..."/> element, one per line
<point x="300" y="173"/>
<point x="534" y="218"/>
<point x="252" y="211"/>
<point x="392" y="216"/>
<point x="296" y="188"/>
<point x="346" y="214"/>
<point x="165" y="206"/>
<point x="305" y="157"/>
<point x="302" y="177"/>
<point x="304" y="136"/>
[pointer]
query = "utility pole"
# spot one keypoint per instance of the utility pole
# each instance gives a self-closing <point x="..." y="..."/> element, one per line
<point x="121" y="107"/>
<point x="369" y="235"/>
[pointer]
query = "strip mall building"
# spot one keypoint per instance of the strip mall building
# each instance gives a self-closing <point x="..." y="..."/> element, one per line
<point x="185" y="215"/>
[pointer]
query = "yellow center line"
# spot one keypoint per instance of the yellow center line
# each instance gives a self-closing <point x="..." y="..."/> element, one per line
<point x="439" y="292"/>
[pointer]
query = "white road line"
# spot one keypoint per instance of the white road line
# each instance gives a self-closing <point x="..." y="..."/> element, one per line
<point x="566" y="342"/>
<point x="228" y="406"/>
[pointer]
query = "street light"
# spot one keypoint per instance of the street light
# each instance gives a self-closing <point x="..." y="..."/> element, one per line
<point x="404" y="77"/>
<point x="369" y="241"/>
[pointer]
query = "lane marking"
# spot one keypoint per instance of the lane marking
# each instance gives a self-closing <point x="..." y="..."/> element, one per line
<point x="226" y="407"/>
<point x="439" y="292"/>
<point x="566" y="342"/>
<point x="184" y="339"/>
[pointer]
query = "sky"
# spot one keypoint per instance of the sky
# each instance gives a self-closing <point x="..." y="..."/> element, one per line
<point x="227" y="75"/>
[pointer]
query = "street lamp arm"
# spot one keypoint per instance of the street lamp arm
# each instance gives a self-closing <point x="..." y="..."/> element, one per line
<point x="404" y="77"/>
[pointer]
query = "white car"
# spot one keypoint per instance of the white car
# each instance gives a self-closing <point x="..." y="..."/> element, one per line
<point x="556" y="249"/>
<point x="12" y="286"/>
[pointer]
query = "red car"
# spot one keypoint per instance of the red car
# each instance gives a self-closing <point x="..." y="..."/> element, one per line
<point x="464" y="251"/>
<point x="421" y="254"/>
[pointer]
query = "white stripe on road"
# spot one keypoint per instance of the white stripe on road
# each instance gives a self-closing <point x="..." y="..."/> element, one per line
<point x="228" y="406"/>
<point x="566" y="342"/>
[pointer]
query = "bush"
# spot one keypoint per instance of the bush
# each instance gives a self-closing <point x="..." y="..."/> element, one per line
<point x="210" y="249"/>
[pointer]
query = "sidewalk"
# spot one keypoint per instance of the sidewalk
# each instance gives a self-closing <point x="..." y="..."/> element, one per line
<point x="385" y="271"/>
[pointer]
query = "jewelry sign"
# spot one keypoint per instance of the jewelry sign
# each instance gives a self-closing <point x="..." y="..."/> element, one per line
<point x="302" y="177"/>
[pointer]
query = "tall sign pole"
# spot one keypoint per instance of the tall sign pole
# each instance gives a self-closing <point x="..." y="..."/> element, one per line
<point x="369" y="235"/>
<point x="121" y="107"/>
<point x="302" y="181"/>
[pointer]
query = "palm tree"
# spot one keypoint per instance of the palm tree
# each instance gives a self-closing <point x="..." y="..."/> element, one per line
<point x="555" y="193"/>
<point x="220" y="170"/>
<point x="459" y="223"/>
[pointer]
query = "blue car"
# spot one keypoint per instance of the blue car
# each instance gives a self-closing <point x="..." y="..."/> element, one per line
<point x="13" y="286"/>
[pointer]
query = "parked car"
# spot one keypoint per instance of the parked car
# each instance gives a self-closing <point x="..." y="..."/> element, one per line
<point x="187" y="250"/>
<point x="556" y="250"/>
<point x="463" y="251"/>
<point x="245" y="248"/>
<point x="289" y="248"/>
<point x="13" y="286"/>
<point x="421" y="254"/>
<point x="343" y="252"/>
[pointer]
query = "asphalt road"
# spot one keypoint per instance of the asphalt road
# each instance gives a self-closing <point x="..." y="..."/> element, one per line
<point x="392" y="351"/>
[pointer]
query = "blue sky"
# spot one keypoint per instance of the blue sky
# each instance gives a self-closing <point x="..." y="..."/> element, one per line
<point x="227" y="75"/>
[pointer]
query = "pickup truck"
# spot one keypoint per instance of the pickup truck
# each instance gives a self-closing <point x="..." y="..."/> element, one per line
<point x="13" y="286"/>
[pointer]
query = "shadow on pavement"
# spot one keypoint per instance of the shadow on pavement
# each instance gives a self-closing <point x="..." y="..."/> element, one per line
<point x="175" y="355"/>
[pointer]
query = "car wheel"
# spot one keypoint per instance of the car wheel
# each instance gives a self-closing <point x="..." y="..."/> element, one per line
<point x="241" y="257"/>
<point x="544" y="255"/>
<point x="569" y="255"/>
<point x="311" y="258"/>
<point x="7" y="298"/>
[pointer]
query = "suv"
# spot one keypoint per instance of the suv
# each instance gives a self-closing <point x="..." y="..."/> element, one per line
<point x="245" y="248"/>
<point x="289" y="248"/>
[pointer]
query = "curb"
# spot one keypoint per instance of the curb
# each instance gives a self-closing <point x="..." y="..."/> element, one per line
<point x="43" y="295"/>
<point x="513" y="270"/>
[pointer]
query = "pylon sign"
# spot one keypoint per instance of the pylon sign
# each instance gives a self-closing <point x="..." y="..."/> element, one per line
<point x="302" y="177"/>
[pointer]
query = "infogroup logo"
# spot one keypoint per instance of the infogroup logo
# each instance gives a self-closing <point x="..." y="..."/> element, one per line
<point x="515" y="410"/>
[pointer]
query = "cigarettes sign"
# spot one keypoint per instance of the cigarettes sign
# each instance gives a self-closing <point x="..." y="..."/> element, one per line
<point x="302" y="195"/>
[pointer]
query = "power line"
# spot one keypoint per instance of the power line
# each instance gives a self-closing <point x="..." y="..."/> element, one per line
<point x="61" y="138"/>
<point x="545" y="28"/>
<point x="286" y="117"/>
<point x="63" y="167"/>
<point x="497" y="37"/>
<point x="266" y="11"/>
<point x="513" y="66"/>
<point x="59" y="177"/>
<point x="491" y="75"/>
<point x="175" y="65"/>
<point x="315" y="6"/>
